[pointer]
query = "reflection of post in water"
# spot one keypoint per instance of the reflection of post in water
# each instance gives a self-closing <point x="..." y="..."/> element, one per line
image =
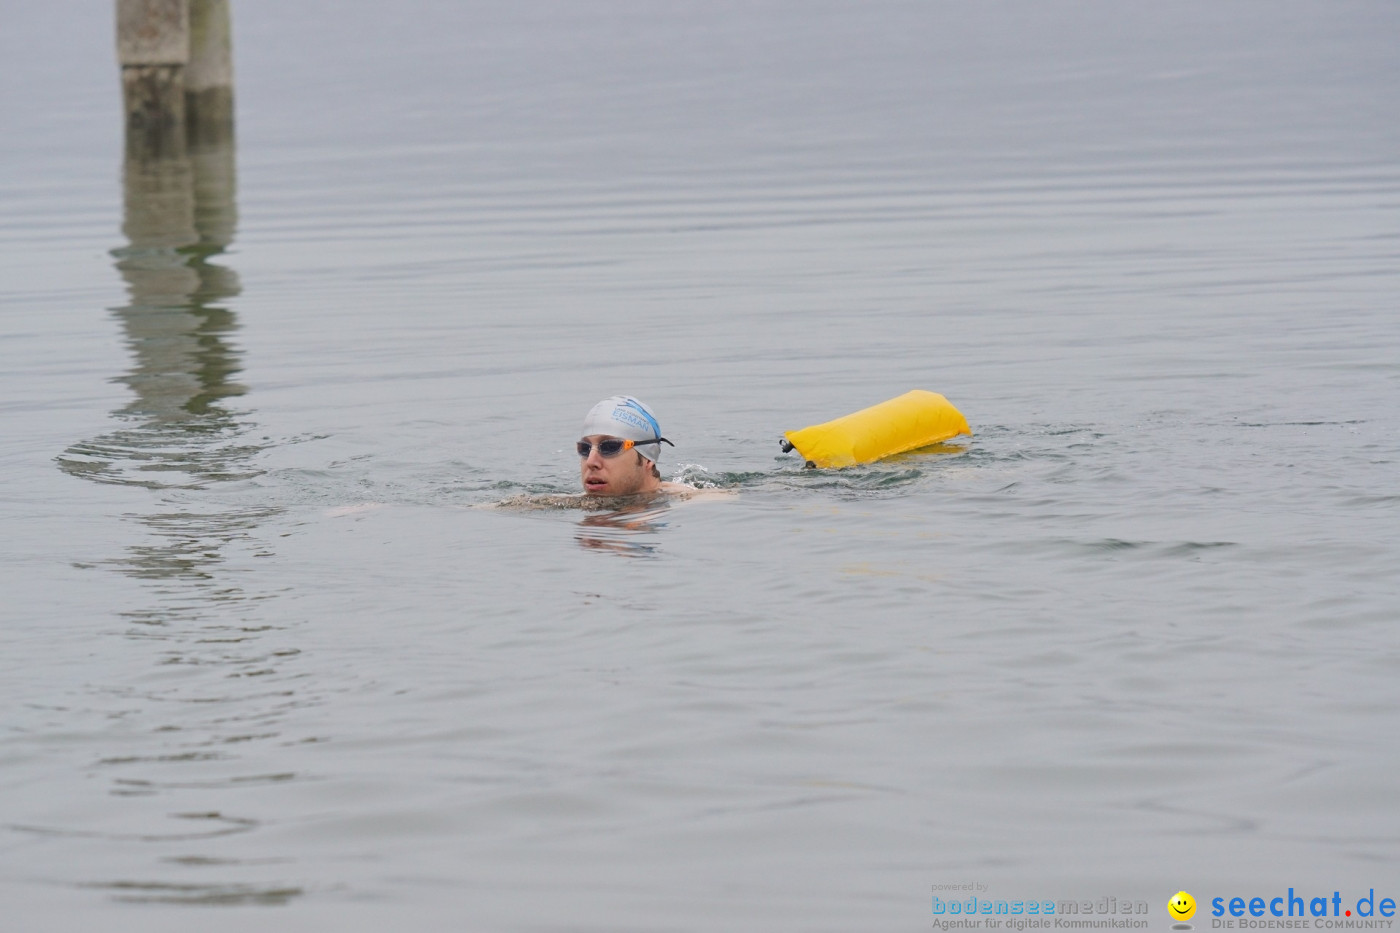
<point x="176" y="434"/>
<point x="178" y="180"/>
<point x="180" y="214"/>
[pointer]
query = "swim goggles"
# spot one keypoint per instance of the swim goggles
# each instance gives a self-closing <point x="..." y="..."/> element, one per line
<point x="614" y="446"/>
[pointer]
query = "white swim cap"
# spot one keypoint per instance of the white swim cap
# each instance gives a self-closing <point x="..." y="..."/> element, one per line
<point x="625" y="417"/>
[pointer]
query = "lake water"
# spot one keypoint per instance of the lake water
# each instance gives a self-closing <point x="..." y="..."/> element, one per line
<point x="266" y="664"/>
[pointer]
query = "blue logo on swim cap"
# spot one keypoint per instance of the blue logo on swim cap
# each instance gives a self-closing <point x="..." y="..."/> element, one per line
<point x="622" y="413"/>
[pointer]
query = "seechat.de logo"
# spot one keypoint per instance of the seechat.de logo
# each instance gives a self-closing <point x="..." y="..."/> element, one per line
<point x="1322" y="911"/>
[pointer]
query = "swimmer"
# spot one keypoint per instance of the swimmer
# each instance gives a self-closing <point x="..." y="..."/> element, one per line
<point x="619" y="449"/>
<point x="618" y="452"/>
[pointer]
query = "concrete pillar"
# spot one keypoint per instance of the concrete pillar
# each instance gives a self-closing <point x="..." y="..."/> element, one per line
<point x="153" y="32"/>
<point x="209" y="74"/>
<point x="153" y="46"/>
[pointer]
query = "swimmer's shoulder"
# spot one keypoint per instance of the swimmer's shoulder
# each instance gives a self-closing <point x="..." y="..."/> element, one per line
<point x="684" y="492"/>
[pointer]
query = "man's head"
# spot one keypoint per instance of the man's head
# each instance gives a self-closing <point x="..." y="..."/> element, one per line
<point x="620" y="444"/>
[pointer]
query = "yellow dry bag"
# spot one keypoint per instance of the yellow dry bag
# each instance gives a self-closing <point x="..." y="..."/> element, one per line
<point x="913" y="420"/>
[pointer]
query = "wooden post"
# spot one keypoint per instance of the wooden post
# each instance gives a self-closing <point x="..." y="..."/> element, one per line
<point x="209" y="74"/>
<point x="153" y="46"/>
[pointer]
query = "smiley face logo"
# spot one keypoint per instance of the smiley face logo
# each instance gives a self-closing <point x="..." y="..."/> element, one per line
<point x="1182" y="906"/>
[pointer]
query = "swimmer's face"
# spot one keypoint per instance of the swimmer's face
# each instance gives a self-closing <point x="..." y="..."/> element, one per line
<point x="626" y="474"/>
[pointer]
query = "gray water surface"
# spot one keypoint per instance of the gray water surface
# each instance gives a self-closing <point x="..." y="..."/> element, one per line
<point x="267" y="660"/>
